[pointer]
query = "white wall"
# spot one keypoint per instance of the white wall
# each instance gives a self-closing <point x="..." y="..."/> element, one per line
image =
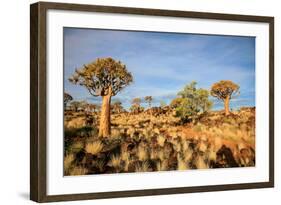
<point x="14" y="143"/>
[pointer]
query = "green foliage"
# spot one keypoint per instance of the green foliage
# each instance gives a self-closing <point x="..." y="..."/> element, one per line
<point x="176" y="102"/>
<point x="202" y="97"/>
<point x="186" y="110"/>
<point x="191" y="102"/>
<point x="162" y="103"/>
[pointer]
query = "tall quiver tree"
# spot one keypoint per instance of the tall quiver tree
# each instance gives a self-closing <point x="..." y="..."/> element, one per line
<point x="104" y="77"/>
<point x="225" y="90"/>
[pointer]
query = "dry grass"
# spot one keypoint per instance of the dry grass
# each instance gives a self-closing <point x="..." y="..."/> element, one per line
<point x="100" y="165"/>
<point x="162" y="165"/>
<point x="158" y="143"/>
<point x="201" y="164"/>
<point x="115" y="161"/>
<point x="161" y="155"/>
<point x="142" y="153"/>
<point x="161" y="139"/>
<point x="143" y="167"/>
<point x="94" y="147"/>
<point x="77" y="145"/>
<point x="125" y="157"/>
<point x="78" y="171"/>
<point x="68" y="160"/>
<point x="182" y="164"/>
<point x="187" y="155"/>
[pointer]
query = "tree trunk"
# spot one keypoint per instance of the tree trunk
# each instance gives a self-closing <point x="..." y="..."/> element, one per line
<point x="104" y="129"/>
<point x="226" y="105"/>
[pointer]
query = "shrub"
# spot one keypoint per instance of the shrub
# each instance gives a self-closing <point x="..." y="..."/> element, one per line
<point x="100" y="165"/>
<point x="115" y="161"/>
<point x="162" y="165"/>
<point x="94" y="147"/>
<point x="125" y="156"/>
<point x="161" y="140"/>
<point x="142" y="167"/>
<point x="182" y="165"/>
<point x="191" y="102"/>
<point x="77" y="146"/>
<point x="201" y="164"/>
<point x="161" y="154"/>
<point x="80" y="132"/>
<point x="142" y="153"/>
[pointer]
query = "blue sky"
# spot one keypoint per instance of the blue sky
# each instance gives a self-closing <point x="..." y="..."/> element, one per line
<point x="162" y="63"/>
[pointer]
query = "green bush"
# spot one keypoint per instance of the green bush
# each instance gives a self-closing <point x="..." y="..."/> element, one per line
<point x="191" y="102"/>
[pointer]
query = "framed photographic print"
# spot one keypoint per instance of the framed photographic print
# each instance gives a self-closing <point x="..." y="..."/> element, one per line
<point x="134" y="102"/>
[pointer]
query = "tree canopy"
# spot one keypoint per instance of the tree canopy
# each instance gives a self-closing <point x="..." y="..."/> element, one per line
<point x="198" y="98"/>
<point x="191" y="101"/>
<point x="104" y="76"/>
<point x="224" y="89"/>
<point x="136" y="105"/>
<point x="176" y="102"/>
<point x="78" y="105"/>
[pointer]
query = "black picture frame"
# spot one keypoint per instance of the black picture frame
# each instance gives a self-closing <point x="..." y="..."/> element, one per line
<point x="38" y="102"/>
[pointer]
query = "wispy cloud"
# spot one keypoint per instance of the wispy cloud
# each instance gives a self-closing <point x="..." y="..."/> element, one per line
<point x="162" y="63"/>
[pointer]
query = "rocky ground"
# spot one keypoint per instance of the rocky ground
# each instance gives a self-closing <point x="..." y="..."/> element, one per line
<point x="158" y="141"/>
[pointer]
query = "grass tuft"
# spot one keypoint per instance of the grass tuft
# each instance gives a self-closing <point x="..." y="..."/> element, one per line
<point x="94" y="147"/>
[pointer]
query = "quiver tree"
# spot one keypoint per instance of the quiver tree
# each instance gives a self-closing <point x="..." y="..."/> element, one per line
<point x="83" y="107"/>
<point x="224" y="90"/>
<point x="148" y="99"/>
<point x="104" y="77"/>
<point x="136" y="105"/>
<point x="66" y="99"/>
<point x="75" y="105"/>
<point x="117" y="107"/>
<point x="93" y="108"/>
<point x="136" y="102"/>
<point x="89" y="108"/>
